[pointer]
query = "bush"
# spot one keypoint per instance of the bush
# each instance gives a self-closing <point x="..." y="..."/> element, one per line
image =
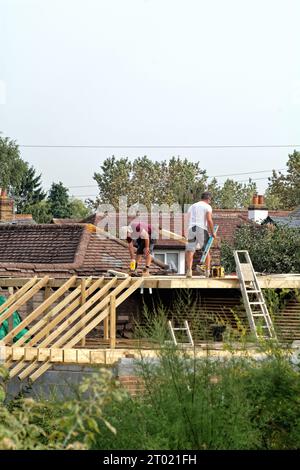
<point x="272" y="249"/>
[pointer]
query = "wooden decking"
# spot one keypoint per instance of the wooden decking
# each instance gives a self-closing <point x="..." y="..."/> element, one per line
<point x="270" y="281"/>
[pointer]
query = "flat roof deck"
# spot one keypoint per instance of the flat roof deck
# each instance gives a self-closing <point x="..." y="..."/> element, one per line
<point x="271" y="281"/>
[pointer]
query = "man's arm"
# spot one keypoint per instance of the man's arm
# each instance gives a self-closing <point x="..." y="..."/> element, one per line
<point x="146" y="238"/>
<point x="131" y="247"/>
<point x="210" y="224"/>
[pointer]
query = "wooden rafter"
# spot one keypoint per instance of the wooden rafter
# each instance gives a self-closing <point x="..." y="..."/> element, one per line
<point x="62" y="341"/>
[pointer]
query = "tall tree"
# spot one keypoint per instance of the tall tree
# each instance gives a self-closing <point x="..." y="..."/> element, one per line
<point x="284" y="189"/>
<point x="29" y="191"/>
<point x="186" y="181"/>
<point x="113" y="180"/>
<point x="12" y="167"/>
<point x="234" y="195"/>
<point x="59" y="202"/>
<point x="78" y="209"/>
<point x="146" y="182"/>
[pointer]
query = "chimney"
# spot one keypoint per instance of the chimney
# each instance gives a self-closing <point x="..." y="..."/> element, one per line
<point x="6" y="207"/>
<point x="257" y="211"/>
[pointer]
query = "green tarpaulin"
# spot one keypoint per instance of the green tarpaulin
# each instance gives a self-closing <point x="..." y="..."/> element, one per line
<point x="16" y="321"/>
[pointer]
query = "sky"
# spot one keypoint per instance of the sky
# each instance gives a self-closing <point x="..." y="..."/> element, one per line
<point x="150" y="73"/>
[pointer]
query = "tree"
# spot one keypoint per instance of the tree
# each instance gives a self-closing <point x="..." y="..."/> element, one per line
<point x="59" y="202"/>
<point x="12" y="167"/>
<point x="41" y="212"/>
<point x="113" y="180"/>
<point x="234" y="195"/>
<point x="29" y="191"/>
<point x="146" y="182"/>
<point x="78" y="209"/>
<point x="272" y="249"/>
<point x="284" y="190"/>
<point x="186" y="181"/>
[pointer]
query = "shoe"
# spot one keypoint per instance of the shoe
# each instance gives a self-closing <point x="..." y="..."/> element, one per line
<point x="134" y="273"/>
<point x="207" y="273"/>
<point x="189" y="273"/>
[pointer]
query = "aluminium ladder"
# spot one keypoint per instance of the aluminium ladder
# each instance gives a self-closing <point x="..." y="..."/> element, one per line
<point x="255" y="304"/>
<point x="188" y="332"/>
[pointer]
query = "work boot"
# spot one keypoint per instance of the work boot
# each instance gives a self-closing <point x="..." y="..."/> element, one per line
<point x="207" y="273"/>
<point x="189" y="273"/>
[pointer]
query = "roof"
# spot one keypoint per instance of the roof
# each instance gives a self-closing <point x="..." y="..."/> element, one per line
<point x="292" y="219"/>
<point x="59" y="250"/>
<point x="228" y="221"/>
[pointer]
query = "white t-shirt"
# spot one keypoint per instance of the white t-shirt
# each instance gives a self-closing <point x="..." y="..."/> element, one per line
<point x="198" y="214"/>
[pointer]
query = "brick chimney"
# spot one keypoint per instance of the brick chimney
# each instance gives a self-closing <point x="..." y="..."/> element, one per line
<point x="6" y="207"/>
<point x="257" y="211"/>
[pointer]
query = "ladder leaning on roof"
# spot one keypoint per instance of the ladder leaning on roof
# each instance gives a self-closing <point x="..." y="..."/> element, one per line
<point x="188" y="333"/>
<point x="255" y="304"/>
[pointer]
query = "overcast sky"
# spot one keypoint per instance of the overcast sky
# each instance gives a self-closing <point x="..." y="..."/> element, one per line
<point x="150" y="73"/>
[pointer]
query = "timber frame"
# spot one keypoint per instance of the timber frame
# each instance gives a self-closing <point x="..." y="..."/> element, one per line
<point x="73" y="307"/>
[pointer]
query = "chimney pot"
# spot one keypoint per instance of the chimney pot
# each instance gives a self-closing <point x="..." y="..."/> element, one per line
<point x="255" y="199"/>
<point x="261" y="200"/>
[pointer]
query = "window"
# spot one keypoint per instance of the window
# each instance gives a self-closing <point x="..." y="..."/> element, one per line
<point x="168" y="258"/>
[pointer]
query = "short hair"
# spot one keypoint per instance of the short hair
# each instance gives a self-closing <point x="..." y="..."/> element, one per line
<point x="206" y="195"/>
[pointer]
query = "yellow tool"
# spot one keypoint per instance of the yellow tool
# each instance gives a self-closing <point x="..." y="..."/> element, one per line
<point x="132" y="265"/>
<point x="217" y="271"/>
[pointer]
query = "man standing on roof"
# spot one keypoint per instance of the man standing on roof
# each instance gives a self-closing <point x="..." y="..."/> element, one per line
<point x="200" y="227"/>
<point x="141" y="236"/>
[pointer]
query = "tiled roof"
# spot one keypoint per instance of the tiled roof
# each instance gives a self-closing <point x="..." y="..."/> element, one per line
<point x="59" y="250"/>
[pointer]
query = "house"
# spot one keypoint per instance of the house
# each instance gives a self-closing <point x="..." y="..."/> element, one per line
<point x="291" y="220"/>
<point x="7" y="213"/>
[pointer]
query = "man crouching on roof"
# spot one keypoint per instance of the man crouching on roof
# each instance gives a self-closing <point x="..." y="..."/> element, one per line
<point x="141" y="236"/>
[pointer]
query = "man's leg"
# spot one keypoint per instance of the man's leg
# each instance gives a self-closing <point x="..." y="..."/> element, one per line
<point x="149" y="258"/>
<point x="138" y="260"/>
<point x="189" y="257"/>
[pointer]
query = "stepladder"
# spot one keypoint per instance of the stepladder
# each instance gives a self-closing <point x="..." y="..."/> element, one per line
<point x="185" y="331"/>
<point x="259" y="318"/>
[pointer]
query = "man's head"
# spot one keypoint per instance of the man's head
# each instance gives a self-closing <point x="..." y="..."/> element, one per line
<point x="207" y="197"/>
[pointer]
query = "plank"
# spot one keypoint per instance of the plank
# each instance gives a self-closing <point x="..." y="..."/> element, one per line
<point x="83" y="299"/>
<point x="137" y="283"/>
<point x="44" y="332"/>
<point x="112" y="313"/>
<point x="44" y="321"/>
<point x="70" y="332"/>
<point x="17" y="295"/>
<point x="21" y="301"/>
<point x="39" y="310"/>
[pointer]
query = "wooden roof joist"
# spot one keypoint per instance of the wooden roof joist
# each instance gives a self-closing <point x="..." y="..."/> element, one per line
<point x="68" y="321"/>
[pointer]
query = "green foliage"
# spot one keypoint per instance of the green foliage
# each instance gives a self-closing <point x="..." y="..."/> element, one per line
<point x="29" y="192"/>
<point x="274" y="387"/>
<point x="272" y="250"/>
<point x="188" y="403"/>
<point x="78" y="209"/>
<point x="146" y="182"/>
<point x="233" y="195"/>
<point x="41" y="212"/>
<point x="72" y="424"/>
<point x="59" y="202"/>
<point x="284" y="189"/>
<point x="12" y="167"/>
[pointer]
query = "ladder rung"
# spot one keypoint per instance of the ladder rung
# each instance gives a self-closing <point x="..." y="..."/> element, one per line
<point x="180" y="329"/>
<point x="256" y="303"/>
<point x="258" y="314"/>
<point x="252" y="291"/>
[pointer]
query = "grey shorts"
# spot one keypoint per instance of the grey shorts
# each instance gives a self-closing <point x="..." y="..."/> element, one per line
<point x="197" y="236"/>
